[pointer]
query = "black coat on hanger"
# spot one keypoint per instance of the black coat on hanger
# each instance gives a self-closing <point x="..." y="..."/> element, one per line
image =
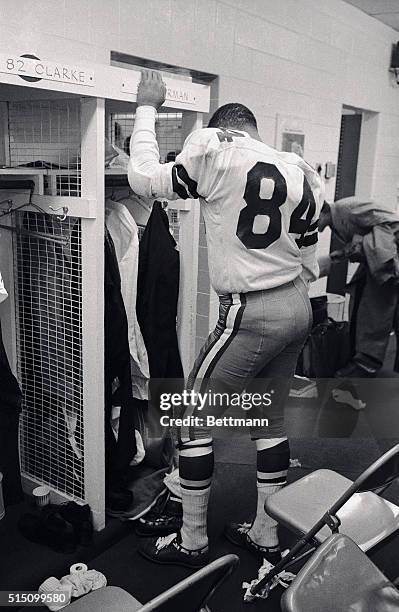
<point x="157" y="295"/>
<point x="117" y="366"/>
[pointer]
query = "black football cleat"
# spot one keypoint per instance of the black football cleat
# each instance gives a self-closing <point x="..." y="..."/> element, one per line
<point x="237" y="533"/>
<point x="166" y="517"/>
<point x="169" y="551"/>
<point x="158" y="526"/>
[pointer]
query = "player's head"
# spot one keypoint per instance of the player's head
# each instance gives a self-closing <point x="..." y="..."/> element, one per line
<point x="325" y="217"/>
<point x="234" y="116"/>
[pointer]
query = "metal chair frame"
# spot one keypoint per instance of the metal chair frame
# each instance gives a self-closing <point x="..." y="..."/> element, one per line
<point x="224" y="566"/>
<point x="370" y="480"/>
<point x="289" y="602"/>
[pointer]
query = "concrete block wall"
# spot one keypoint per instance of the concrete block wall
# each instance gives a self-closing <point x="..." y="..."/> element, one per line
<point x="303" y="58"/>
<point x="295" y="57"/>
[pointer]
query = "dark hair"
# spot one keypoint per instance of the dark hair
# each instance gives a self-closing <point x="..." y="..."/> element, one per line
<point x="233" y="115"/>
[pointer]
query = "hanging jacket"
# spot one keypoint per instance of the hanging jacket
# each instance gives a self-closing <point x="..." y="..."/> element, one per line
<point x="157" y="296"/>
<point x="124" y="234"/>
<point x="120" y="452"/>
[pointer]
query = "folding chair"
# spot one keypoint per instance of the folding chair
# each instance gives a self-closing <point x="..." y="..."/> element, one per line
<point x="192" y="594"/>
<point x="340" y="577"/>
<point x="325" y="502"/>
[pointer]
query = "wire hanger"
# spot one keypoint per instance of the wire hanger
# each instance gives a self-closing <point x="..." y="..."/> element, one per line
<point x="59" y="240"/>
<point x="11" y="209"/>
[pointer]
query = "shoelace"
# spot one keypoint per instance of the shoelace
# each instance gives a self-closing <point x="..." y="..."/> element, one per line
<point x="165" y="541"/>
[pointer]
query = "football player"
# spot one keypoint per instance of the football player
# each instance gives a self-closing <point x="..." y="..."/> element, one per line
<point x="261" y="208"/>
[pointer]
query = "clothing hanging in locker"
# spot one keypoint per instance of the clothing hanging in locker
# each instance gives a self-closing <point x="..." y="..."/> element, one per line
<point x="157" y="299"/>
<point x="140" y="208"/>
<point x="157" y="295"/>
<point x="48" y="279"/>
<point x="10" y="407"/>
<point x="118" y="385"/>
<point x="124" y="233"/>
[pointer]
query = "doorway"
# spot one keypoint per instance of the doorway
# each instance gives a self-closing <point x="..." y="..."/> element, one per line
<point x="345" y="186"/>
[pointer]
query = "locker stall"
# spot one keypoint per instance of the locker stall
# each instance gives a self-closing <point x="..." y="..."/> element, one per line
<point x="53" y="184"/>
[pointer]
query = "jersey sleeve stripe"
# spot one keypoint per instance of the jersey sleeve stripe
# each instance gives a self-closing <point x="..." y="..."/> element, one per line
<point x="313" y="226"/>
<point x="184" y="177"/>
<point x="310" y="239"/>
<point x="177" y="186"/>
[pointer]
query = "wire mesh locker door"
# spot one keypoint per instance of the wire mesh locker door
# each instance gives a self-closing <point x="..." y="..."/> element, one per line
<point x="49" y="325"/>
<point x="59" y="299"/>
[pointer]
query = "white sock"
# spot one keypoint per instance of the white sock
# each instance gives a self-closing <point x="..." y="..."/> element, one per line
<point x="195" y="508"/>
<point x="272" y="464"/>
<point x="264" y="528"/>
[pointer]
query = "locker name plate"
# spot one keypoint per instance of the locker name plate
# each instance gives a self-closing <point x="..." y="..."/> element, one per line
<point x="176" y="91"/>
<point x="34" y="70"/>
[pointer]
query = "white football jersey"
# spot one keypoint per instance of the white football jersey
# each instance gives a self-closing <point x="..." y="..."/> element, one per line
<point x="260" y="205"/>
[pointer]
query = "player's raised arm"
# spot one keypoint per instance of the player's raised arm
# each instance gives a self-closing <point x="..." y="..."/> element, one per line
<point x="184" y="178"/>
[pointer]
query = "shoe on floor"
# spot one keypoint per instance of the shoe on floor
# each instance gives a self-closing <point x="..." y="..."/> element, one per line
<point x="169" y="551"/>
<point x="80" y="518"/>
<point x="60" y="532"/>
<point x="353" y="369"/>
<point x="237" y="533"/>
<point x="49" y="530"/>
<point x="118" y="499"/>
<point x="164" y="519"/>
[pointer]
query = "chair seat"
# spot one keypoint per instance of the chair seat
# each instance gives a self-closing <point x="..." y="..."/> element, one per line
<point x="107" y="599"/>
<point x="339" y="577"/>
<point x="367" y="518"/>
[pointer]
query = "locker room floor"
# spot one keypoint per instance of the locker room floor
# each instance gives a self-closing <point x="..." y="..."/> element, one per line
<point x="124" y="567"/>
<point x="114" y="551"/>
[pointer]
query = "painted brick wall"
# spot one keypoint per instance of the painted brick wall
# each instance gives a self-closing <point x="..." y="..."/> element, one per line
<point x="295" y="57"/>
<point x="302" y="57"/>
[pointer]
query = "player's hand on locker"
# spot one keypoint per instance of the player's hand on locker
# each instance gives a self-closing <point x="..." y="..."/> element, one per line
<point x="151" y="90"/>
